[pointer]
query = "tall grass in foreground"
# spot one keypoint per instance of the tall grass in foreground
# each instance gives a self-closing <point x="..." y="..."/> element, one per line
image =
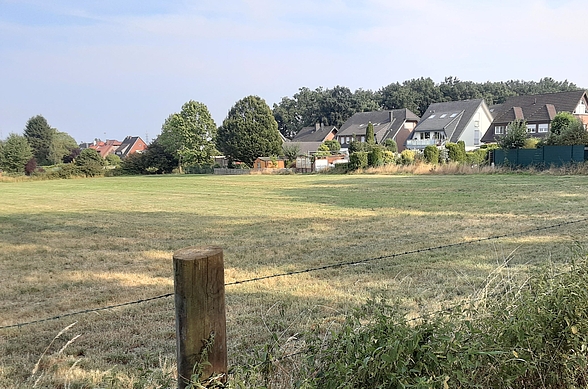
<point x="532" y="335"/>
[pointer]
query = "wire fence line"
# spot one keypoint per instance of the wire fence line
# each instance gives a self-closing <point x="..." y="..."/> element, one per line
<point x="309" y="270"/>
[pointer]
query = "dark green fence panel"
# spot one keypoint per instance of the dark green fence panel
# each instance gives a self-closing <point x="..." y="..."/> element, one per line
<point x="544" y="156"/>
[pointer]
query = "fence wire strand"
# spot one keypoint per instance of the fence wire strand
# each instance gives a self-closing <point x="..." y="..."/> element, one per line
<point x="309" y="270"/>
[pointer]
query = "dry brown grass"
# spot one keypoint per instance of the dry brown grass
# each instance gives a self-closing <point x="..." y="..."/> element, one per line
<point x="77" y="244"/>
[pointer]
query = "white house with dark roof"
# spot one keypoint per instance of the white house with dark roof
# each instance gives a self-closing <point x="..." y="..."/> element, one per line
<point x="537" y="111"/>
<point x="396" y="124"/>
<point x="452" y="121"/>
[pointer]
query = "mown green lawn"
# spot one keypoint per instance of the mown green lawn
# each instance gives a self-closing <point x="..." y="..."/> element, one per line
<point x="71" y="245"/>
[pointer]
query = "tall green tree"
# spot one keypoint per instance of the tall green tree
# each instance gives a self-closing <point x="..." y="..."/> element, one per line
<point x="566" y="130"/>
<point x="61" y="146"/>
<point x="40" y="137"/>
<point x="249" y="131"/>
<point x="189" y="135"/>
<point x="15" y="153"/>
<point x="516" y="134"/>
<point x="90" y="163"/>
<point x="370" y="138"/>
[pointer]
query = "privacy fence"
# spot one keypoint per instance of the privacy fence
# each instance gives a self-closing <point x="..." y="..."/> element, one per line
<point x="199" y="293"/>
<point x="545" y="156"/>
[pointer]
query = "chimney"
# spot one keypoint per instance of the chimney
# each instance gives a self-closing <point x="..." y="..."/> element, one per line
<point x="391" y="116"/>
<point x="317" y="126"/>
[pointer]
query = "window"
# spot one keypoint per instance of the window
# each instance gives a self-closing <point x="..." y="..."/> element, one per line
<point x="442" y="116"/>
<point x="453" y="115"/>
<point x="543" y="127"/>
<point x="362" y="139"/>
<point x="581" y="108"/>
<point x="432" y="116"/>
<point x="499" y="130"/>
<point x="476" y="137"/>
<point x="531" y="128"/>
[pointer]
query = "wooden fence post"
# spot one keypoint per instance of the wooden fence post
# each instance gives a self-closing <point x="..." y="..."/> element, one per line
<point x="199" y="285"/>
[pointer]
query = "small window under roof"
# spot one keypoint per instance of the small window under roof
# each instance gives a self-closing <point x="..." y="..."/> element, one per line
<point x="442" y="116"/>
<point x="432" y="116"/>
<point x="453" y="115"/>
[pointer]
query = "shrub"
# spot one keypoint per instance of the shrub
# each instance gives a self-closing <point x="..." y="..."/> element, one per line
<point x="530" y="336"/>
<point x="477" y="157"/>
<point x="391" y="145"/>
<point x="376" y="156"/>
<point x="431" y="154"/>
<point x="407" y="157"/>
<point x="531" y="143"/>
<point x="358" y="160"/>
<point x="456" y="151"/>
<point x="388" y="157"/>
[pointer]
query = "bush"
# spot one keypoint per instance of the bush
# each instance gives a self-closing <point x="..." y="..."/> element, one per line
<point x="530" y="336"/>
<point x="456" y="151"/>
<point x="358" y="160"/>
<point x="391" y="145"/>
<point x="389" y="157"/>
<point x="376" y="156"/>
<point x="407" y="157"/>
<point x="431" y="154"/>
<point x="477" y="157"/>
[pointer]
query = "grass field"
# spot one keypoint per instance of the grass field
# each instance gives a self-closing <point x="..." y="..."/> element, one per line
<point x="79" y="244"/>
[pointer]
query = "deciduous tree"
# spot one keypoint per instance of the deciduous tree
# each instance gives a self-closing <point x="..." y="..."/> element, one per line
<point x="516" y="134"/>
<point x="189" y="135"/>
<point x="249" y="131"/>
<point x="61" y="146"/>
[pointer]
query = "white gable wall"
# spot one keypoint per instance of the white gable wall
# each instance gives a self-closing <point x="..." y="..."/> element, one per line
<point x="480" y="121"/>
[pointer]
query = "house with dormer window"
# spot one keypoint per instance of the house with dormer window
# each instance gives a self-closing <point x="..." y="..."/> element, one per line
<point x="451" y="121"/>
<point x="537" y="111"/>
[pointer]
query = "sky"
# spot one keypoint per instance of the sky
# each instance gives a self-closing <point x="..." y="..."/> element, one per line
<point x="109" y="69"/>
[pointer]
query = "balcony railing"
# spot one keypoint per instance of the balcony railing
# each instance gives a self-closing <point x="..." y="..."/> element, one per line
<point x="422" y="143"/>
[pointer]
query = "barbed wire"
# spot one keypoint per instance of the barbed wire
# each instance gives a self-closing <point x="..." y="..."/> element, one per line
<point x="309" y="270"/>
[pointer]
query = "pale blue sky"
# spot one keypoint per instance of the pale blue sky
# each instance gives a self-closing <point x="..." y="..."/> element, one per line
<point x="107" y="69"/>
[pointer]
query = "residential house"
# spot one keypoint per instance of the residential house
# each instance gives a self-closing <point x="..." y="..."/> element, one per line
<point x="130" y="145"/>
<point x="395" y="124"/>
<point x="105" y="148"/>
<point x="309" y="139"/>
<point x="538" y="111"/>
<point x="451" y="121"/>
<point x="269" y="163"/>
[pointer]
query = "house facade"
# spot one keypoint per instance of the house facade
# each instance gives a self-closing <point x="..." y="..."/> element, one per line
<point x="451" y="121"/>
<point x="130" y="145"/>
<point x="538" y="111"/>
<point x="309" y="139"/>
<point x="396" y="124"/>
<point x="105" y="148"/>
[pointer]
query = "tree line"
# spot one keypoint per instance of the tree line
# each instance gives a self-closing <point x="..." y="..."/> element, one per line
<point x="190" y="138"/>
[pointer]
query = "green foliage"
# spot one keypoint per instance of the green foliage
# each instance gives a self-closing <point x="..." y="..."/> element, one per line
<point x="566" y="130"/>
<point x="516" y="134"/>
<point x="61" y="146"/>
<point x="391" y="145"/>
<point x="333" y="145"/>
<point x="291" y="151"/>
<point x="90" y="163"/>
<point x="531" y="143"/>
<point x="376" y="156"/>
<point x="249" y="131"/>
<point x="358" y="160"/>
<point x="477" y="157"/>
<point x="40" y="137"/>
<point x="560" y="122"/>
<point x="456" y="152"/>
<point x="431" y="154"/>
<point x="530" y="336"/>
<point x="357" y="146"/>
<point x="15" y="154"/>
<point x="114" y="160"/>
<point x="189" y="134"/>
<point x="323" y="150"/>
<point x="370" y="138"/>
<point x="407" y="157"/>
<point x="389" y="157"/>
<point x="154" y="160"/>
